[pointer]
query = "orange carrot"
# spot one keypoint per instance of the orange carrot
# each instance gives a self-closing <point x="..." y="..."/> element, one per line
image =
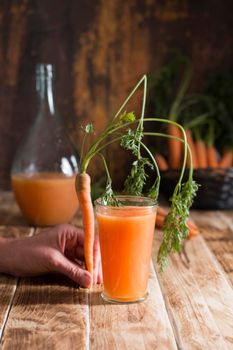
<point x="161" y="161"/>
<point x="227" y="159"/>
<point x="212" y="156"/>
<point x="192" y="233"/>
<point x="161" y="213"/>
<point x="174" y="147"/>
<point x="201" y="154"/>
<point x="83" y="189"/>
<point x="192" y="148"/>
<point x="192" y="226"/>
<point x="159" y="221"/>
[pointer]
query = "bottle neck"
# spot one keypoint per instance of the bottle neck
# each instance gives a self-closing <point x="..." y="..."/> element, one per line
<point x="45" y="88"/>
<point x="45" y="94"/>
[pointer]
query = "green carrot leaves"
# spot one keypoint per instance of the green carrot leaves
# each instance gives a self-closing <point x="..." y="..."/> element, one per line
<point x="175" y="230"/>
<point x="137" y="178"/>
<point x="131" y="141"/>
<point x="127" y="117"/>
<point x="108" y="197"/>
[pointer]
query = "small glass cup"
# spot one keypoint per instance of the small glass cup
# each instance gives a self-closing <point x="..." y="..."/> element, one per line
<point x="126" y="235"/>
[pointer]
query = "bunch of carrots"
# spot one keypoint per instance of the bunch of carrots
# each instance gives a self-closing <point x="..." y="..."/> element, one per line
<point x="204" y="154"/>
<point x="207" y="117"/>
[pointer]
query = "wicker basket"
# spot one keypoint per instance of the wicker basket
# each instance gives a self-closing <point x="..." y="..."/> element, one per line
<point x="215" y="192"/>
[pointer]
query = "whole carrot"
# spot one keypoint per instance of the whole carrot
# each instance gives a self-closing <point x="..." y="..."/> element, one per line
<point x="161" y="161"/>
<point x="212" y="156"/>
<point x="83" y="189"/>
<point x="174" y="147"/>
<point x="201" y="154"/>
<point x="211" y="150"/>
<point x="227" y="159"/>
<point x="192" y="148"/>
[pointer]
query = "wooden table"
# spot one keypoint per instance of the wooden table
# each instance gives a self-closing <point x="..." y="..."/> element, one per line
<point x="189" y="307"/>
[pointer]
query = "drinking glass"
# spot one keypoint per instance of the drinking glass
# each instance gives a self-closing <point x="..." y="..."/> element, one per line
<point x="126" y="234"/>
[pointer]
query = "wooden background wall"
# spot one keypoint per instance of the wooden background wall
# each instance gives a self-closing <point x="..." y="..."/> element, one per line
<point x="100" y="49"/>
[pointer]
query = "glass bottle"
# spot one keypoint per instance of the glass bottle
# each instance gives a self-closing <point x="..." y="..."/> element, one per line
<point x="44" y="168"/>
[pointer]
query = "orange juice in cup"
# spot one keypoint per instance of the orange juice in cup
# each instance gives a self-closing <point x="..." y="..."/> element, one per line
<point x="126" y="235"/>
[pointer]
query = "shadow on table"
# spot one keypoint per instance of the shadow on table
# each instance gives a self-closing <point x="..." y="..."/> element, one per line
<point x="50" y="289"/>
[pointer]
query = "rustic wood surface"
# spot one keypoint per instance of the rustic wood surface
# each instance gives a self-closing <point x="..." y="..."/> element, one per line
<point x="200" y="298"/>
<point x="190" y="306"/>
<point x="217" y="229"/>
<point x="135" y="326"/>
<point x="8" y="284"/>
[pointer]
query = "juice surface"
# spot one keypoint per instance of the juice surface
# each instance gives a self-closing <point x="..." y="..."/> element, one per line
<point x="126" y="244"/>
<point x="45" y="198"/>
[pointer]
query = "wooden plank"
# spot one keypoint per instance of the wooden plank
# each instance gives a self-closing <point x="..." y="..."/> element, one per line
<point x="9" y="210"/>
<point x="133" y="326"/>
<point x="7" y="292"/>
<point x="194" y="325"/>
<point x="48" y="312"/>
<point x="214" y="286"/>
<point x="227" y="217"/>
<point x="216" y="225"/>
<point x="8" y="283"/>
<point x="217" y="229"/>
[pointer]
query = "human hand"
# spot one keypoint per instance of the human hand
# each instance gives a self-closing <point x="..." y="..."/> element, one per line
<point x="56" y="249"/>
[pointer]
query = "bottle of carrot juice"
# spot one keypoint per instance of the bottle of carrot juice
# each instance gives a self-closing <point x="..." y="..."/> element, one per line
<point x="45" y="166"/>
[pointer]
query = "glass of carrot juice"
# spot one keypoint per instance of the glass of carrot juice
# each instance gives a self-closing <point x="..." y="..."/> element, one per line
<point x="126" y="234"/>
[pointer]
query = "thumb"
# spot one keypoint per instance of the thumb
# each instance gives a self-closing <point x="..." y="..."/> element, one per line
<point x="73" y="271"/>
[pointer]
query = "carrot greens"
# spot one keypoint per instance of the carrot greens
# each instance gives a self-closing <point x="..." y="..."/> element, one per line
<point x="128" y="129"/>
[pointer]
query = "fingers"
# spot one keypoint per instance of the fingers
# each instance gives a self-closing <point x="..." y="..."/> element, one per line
<point x="69" y="240"/>
<point x="72" y="270"/>
<point x="70" y="244"/>
<point x="69" y="236"/>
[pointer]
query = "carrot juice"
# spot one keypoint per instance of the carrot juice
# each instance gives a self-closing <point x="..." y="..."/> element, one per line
<point x="45" y="198"/>
<point x="126" y="235"/>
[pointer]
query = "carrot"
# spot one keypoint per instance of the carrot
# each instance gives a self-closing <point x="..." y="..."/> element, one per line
<point x="159" y="221"/>
<point x="161" y="161"/>
<point x="212" y="156"/>
<point x="227" y="159"/>
<point x="83" y="189"/>
<point x="162" y="211"/>
<point x="161" y="214"/>
<point x="201" y="154"/>
<point x="192" y="226"/>
<point x="174" y="147"/>
<point x="192" y="233"/>
<point x="192" y="148"/>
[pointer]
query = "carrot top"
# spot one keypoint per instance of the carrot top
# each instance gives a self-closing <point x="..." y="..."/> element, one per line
<point x="128" y="129"/>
